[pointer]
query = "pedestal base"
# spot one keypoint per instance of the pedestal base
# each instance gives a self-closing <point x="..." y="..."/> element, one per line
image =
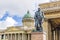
<point x="38" y="36"/>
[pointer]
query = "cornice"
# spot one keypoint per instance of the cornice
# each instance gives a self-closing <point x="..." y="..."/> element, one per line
<point x="50" y="7"/>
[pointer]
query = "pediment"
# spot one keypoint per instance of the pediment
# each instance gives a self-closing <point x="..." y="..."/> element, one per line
<point x="10" y="29"/>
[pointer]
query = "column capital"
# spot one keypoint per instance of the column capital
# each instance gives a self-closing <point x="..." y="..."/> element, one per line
<point x="46" y="19"/>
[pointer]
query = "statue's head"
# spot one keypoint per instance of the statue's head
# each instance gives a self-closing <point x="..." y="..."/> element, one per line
<point x="38" y="9"/>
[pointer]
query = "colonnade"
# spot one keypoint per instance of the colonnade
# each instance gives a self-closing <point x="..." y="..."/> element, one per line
<point x="53" y="33"/>
<point x="15" y="36"/>
<point x="56" y="34"/>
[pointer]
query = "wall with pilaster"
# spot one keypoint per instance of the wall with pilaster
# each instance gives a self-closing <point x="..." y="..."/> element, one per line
<point x="45" y="28"/>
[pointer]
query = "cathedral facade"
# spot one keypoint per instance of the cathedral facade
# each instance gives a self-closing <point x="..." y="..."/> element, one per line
<point x="19" y="32"/>
<point x="51" y="25"/>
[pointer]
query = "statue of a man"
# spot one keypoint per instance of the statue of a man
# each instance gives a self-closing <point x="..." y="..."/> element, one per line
<point x="39" y="17"/>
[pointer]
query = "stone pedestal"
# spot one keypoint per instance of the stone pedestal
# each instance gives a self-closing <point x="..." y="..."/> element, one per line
<point x="38" y="36"/>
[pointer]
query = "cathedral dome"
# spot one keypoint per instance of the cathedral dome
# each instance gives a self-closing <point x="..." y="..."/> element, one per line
<point x="28" y="15"/>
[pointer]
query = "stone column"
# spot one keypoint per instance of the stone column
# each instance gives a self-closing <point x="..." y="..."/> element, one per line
<point x="18" y="36"/>
<point x="11" y="36"/>
<point x="50" y="32"/>
<point x="4" y="37"/>
<point x="59" y="34"/>
<point x="56" y="35"/>
<point x="8" y="36"/>
<point x="22" y="36"/>
<point x="28" y="36"/>
<point x="15" y="36"/>
<point x="25" y="36"/>
<point x="0" y="37"/>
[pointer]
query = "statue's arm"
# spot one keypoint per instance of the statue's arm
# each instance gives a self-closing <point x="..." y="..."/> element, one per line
<point x="43" y="14"/>
<point x="43" y="17"/>
<point x="35" y="16"/>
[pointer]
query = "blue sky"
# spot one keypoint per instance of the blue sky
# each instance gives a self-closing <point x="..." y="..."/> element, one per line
<point x="12" y="11"/>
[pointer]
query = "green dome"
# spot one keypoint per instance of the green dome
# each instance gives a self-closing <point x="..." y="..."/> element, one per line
<point x="28" y="15"/>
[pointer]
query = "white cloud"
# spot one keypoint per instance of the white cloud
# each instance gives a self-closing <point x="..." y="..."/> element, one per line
<point x="10" y="21"/>
<point x="19" y="7"/>
<point x="2" y="25"/>
<point x="7" y="23"/>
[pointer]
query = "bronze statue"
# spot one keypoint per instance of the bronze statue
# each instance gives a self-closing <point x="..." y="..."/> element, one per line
<point x="39" y="17"/>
